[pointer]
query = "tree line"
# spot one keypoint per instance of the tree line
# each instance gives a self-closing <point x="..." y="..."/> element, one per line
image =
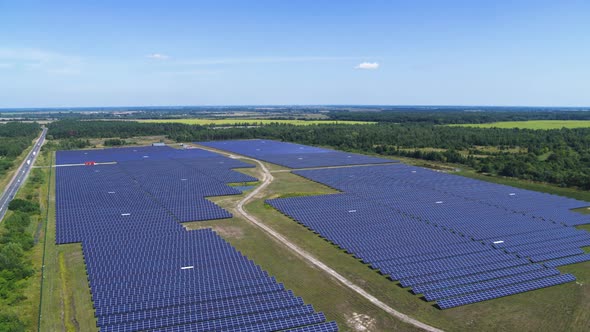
<point x="15" y="137"/>
<point x="456" y="116"/>
<point x="560" y="157"/>
<point x="66" y="129"/>
<point x="16" y="245"/>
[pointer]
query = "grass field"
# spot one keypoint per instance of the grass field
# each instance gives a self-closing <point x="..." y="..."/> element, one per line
<point x="535" y="124"/>
<point x="133" y="141"/>
<point x="67" y="304"/>
<point x="252" y="122"/>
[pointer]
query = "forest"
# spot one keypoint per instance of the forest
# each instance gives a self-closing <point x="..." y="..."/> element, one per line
<point x="560" y="157"/>
<point x="114" y="129"/>
<point x="453" y="116"/>
<point x="17" y="240"/>
<point x="15" y="137"/>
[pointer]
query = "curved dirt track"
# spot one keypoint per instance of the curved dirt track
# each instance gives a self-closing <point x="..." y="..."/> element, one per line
<point x="266" y="180"/>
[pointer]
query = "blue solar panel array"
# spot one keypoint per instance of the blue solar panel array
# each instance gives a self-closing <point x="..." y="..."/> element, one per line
<point x="129" y="154"/>
<point x="146" y="272"/>
<point x="293" y="155"/>
<point x="454" y="239"/>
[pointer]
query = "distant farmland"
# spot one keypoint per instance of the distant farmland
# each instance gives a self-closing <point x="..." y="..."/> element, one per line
<point x="539" y="124"/>
<point x="252" y="122"/>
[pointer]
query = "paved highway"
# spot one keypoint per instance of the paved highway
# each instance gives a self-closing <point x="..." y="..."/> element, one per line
<point x="20" y="176"/>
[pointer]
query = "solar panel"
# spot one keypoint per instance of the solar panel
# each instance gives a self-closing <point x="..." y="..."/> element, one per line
<point x="474" y="278"/>
<point x="436" y="231"/>
<point x="322" y="327"/>
<point x="568" y="260"/>
<point x="505" y="291"/>
<point x="489" y="284"/>
<point x="293" y="155"/>
<point x="145" y="270"/>
<point x="445" y="236"/>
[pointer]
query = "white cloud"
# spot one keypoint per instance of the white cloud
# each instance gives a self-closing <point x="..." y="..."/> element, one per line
<point x="367" y="65"/>
<point x="158" y="56"/>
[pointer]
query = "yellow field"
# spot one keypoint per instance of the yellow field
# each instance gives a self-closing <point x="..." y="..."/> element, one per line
<point x="536" y="124"/>
<point x="252" y="122"/>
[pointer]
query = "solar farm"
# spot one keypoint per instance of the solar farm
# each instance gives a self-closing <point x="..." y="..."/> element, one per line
<point x="450" y="240"/>
<point x="293" y="155"/>
<point x="455" y="240"/>
<point x="145" y="270"/>
<point x="426" y="230"/>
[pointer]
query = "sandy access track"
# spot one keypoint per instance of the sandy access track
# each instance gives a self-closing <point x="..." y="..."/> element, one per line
<point x="266" y="181"/>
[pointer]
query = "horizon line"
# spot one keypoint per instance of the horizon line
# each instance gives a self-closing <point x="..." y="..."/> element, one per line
<point x="67" y="108"/>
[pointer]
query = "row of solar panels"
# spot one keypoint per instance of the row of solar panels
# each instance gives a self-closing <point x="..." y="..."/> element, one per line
<point x="130" y="154"/>
<point x="146" y="272"/>
<point x="293" y="155"/>
<point x="147" y="195"/>
<point x="453" y="239"/>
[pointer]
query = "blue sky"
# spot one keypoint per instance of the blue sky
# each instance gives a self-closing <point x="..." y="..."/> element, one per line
<point x="116" y="53"/>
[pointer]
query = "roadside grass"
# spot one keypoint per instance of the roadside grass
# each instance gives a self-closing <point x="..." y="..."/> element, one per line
<point x="27" y="309"/>
<point x="243" y="184"/>
<point x="533" y="124"/>
<point x="252" y="122"/>
<point x="67" y="303"/>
